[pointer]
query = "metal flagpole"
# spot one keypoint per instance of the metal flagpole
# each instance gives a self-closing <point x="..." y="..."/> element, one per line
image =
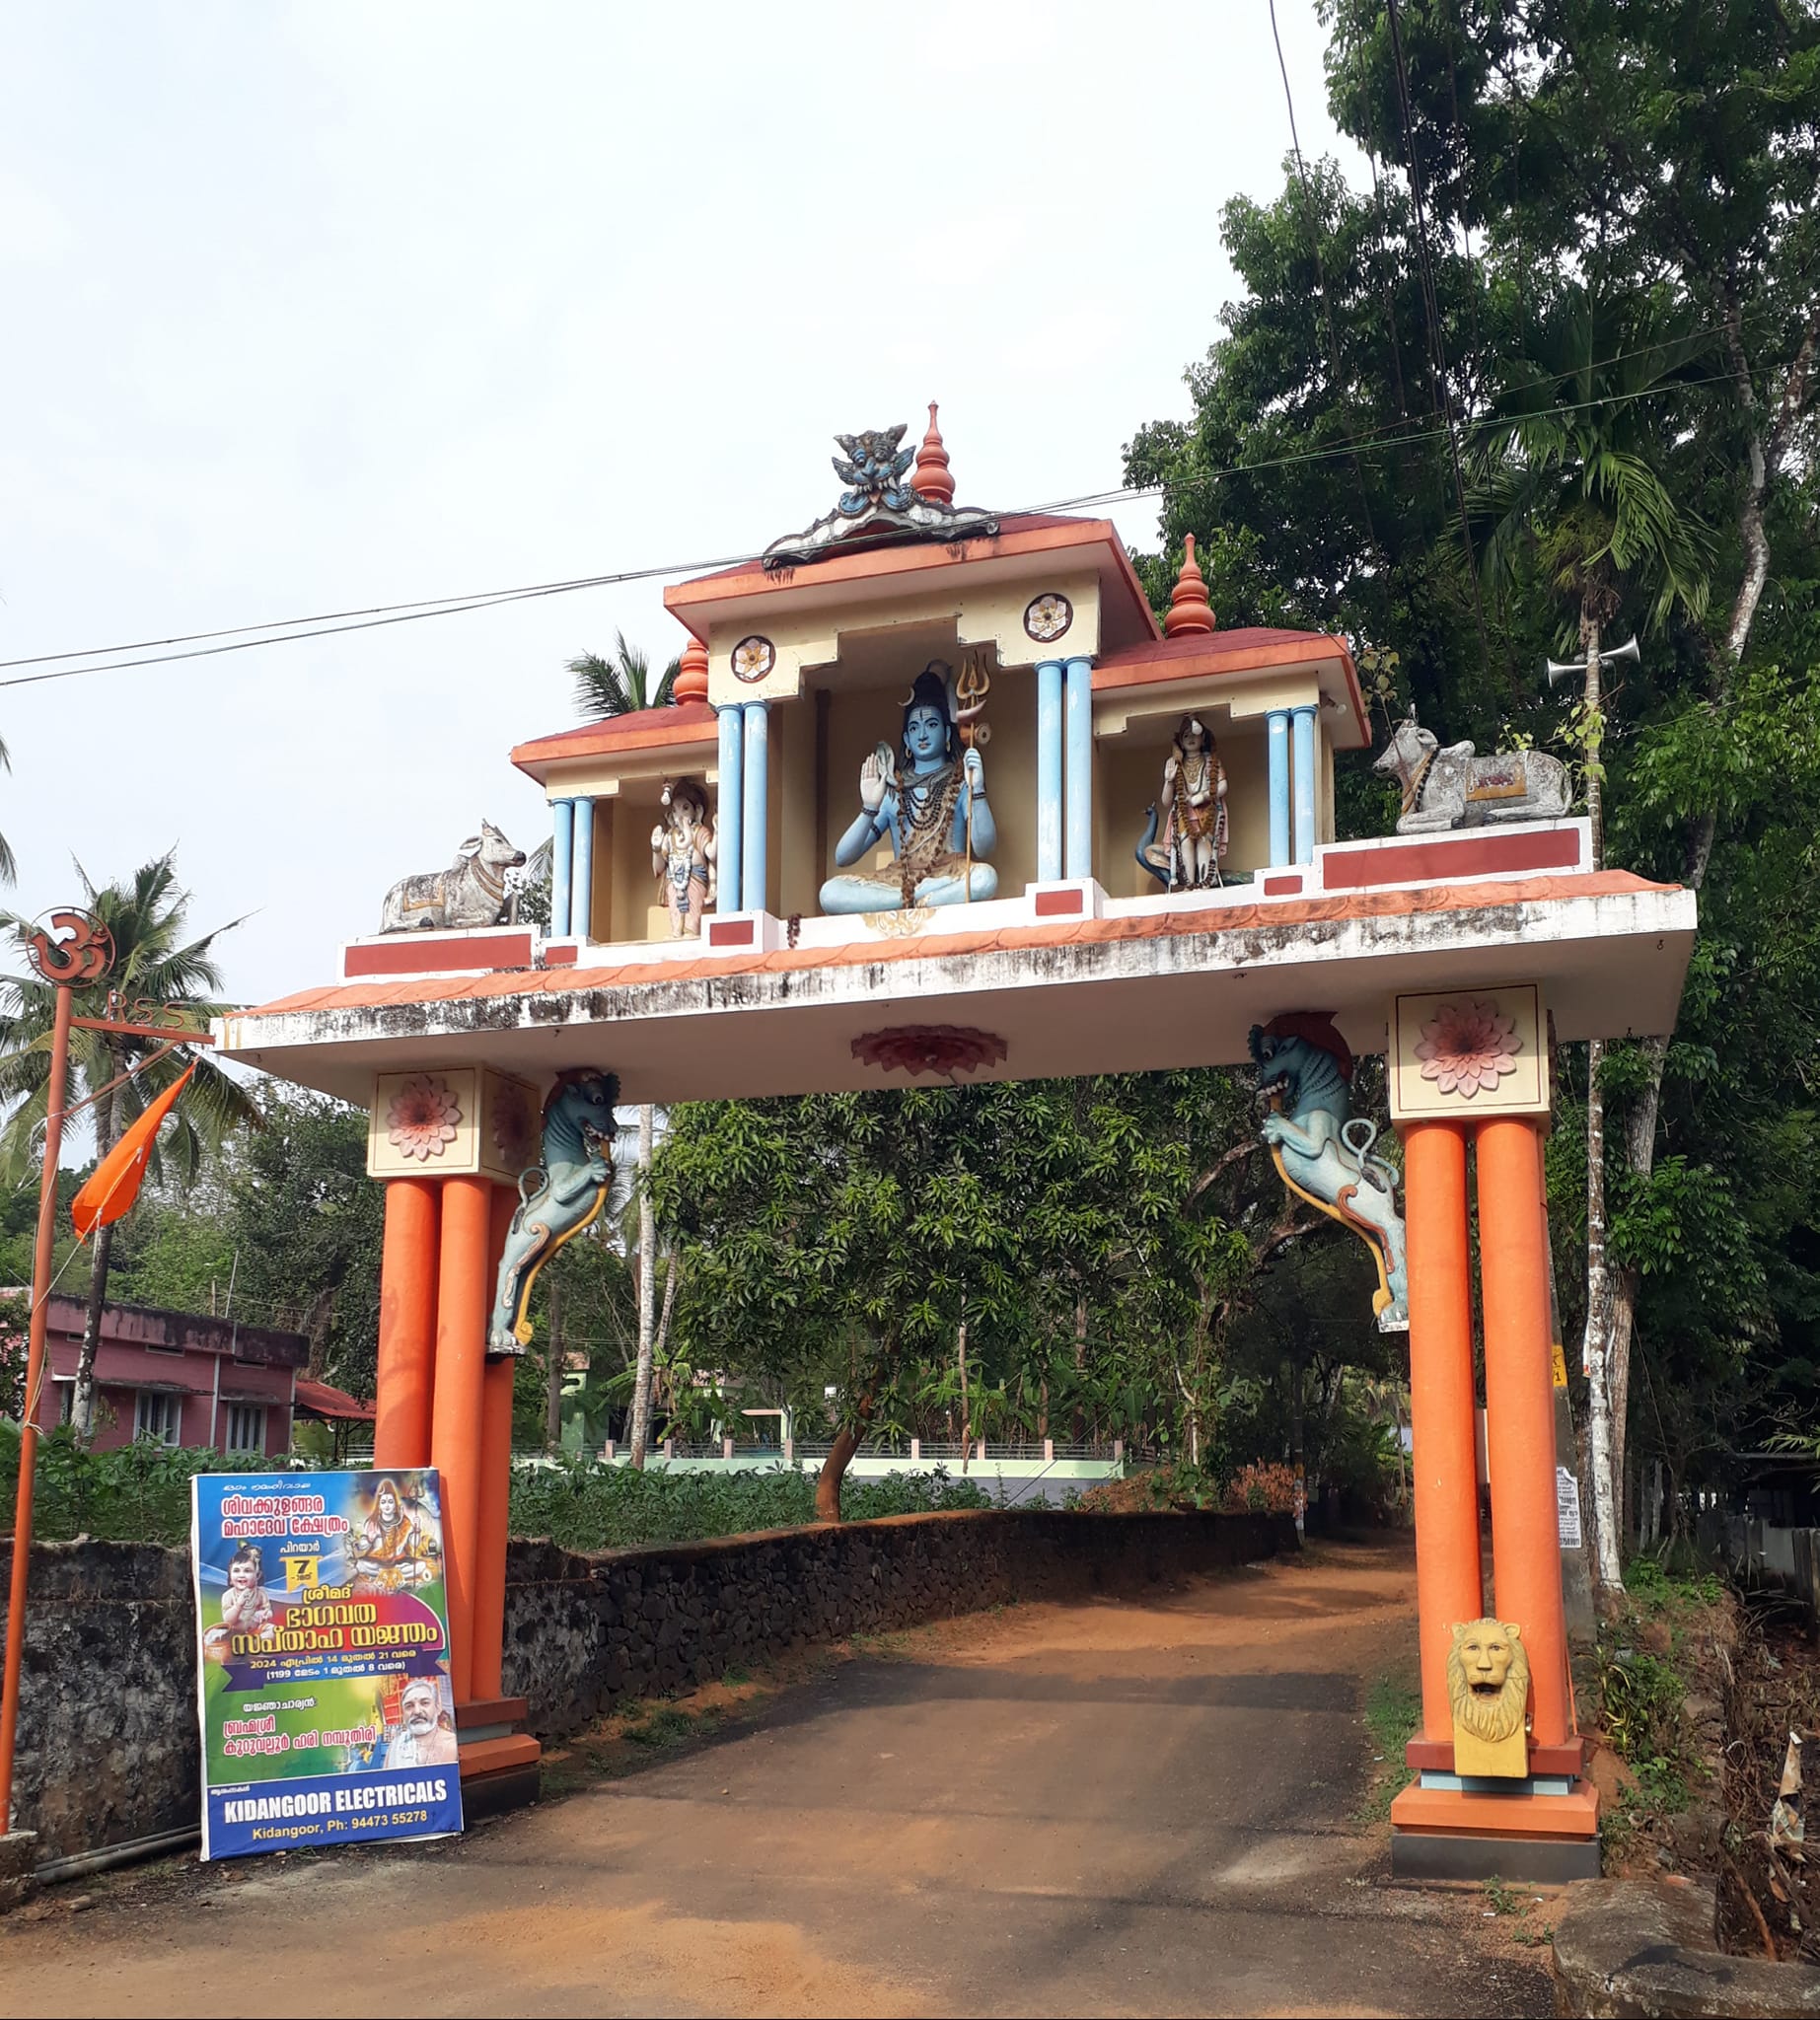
<point x="82" y="958"/>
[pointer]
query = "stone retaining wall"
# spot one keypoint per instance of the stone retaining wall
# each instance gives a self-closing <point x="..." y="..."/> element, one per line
<point x="108" y="1742"/>
<point x="582" y="1631"/>
<point x="109" y="1749"/>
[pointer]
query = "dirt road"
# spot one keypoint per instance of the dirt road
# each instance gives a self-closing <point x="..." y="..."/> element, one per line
<point x="1140" y="1806"/>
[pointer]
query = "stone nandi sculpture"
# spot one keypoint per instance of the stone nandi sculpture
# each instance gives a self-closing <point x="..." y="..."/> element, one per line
<point x="470" y="892"/>
<point x="1322" y="1151"/>
<point x="1455" y="787"/>
<point x="557" y="1199"/>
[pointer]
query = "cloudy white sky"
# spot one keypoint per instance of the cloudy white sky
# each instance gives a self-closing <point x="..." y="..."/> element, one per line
<point x="320" y="306"/>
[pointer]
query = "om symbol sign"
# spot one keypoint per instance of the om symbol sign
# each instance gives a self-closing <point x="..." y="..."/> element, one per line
<point x="84" y="953"/>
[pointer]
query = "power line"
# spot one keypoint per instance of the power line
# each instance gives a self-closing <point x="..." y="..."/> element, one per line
<point x="1327" y="311"/>
<point x="281" y="631"/>
<point x="1432" y="313"/>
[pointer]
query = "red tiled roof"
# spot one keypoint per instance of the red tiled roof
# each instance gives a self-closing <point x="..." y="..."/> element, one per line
<point x="1210" y="922"/>
<point x="1248" y="648"/>
<point x="319" y="1400"/>
<point x="681" y="722"/>
<point x="1022" y="532"/>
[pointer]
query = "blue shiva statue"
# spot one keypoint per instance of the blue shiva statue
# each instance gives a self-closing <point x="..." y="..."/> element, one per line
<point x="1322" y="1151"/>
<point x="933" y="807"/>
<point x="557" y="1199"/>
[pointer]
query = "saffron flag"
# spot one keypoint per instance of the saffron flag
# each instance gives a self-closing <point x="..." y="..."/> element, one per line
<point x="113" y="1184"/>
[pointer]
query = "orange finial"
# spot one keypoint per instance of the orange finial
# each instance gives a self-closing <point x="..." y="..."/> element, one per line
<point x="931" y="478"/>
<point x="691" y="680"/>
<point x="1189" y="607"/>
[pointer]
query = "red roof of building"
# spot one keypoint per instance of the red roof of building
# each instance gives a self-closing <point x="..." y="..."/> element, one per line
<point x="318" y="1398"/>
<point x="1019" y="533"/>
<point x="679" y="722"/>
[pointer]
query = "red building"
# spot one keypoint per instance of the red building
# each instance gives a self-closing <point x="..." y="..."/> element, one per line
<point x="176" y="1377"/>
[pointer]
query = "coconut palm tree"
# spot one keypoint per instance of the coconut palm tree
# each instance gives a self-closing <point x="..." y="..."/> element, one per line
<point x="1575" y="474"/>
<point x="155" y="960"/>
<point x="9" y="868"/>
<point x="619" y="686"/>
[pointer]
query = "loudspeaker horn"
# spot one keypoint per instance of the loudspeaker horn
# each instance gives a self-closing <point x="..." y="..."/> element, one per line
<point x="1629" y="650"/>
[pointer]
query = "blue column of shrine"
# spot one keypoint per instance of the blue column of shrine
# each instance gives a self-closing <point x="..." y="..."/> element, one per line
<point x="729" y="819"/>
<point x="1048" y="771"/>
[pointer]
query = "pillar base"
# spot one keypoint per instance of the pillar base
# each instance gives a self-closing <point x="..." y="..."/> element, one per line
<point x="502" y="1765"/>
<point x="1442" y="1834"/>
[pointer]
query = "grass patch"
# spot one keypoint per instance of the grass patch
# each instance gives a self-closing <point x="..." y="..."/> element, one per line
<point x="1393" y="1714"/>
<point x="669" y="1725"/>
<point x="1646" y="1662"/>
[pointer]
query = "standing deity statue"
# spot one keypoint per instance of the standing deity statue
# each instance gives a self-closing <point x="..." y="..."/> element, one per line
<point x="929" y="800"/>
<point x="1193" y="799"/>
<point x="683" y="851"/>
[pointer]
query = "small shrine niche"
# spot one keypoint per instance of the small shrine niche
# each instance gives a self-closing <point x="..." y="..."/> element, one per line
<point x="1096" y="746"/>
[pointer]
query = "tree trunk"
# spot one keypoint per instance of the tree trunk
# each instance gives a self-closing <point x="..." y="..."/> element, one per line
<point x="833" y="1473"/>
<point x="1608" y="1558"/>
<point x="647" y="1286"/>
<point x="967" y="1422"/>
<point x="316" y="1324"/>
<point x="839" y="1457"/>
<point x="108" y="1116"/>
<point x="552" y="1370"/>
<point x="668" y="1304"/>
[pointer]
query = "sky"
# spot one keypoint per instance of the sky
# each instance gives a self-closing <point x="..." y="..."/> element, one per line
<point x="318" y="307"/>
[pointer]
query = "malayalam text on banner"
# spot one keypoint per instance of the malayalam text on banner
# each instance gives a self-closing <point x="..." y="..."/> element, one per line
<point x="323" y="1660"/>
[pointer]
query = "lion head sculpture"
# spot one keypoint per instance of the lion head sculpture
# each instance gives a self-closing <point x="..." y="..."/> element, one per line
<point x="1488" y="1678"/>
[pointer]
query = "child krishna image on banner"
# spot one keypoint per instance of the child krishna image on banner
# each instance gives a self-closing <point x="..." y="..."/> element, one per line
<point x="323" y="1660"/>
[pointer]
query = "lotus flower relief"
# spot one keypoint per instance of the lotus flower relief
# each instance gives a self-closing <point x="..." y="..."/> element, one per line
<point x="423" y="1117"/>
<point x="1468" y="1046"/>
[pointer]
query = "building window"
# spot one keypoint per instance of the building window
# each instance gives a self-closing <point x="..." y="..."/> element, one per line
<point x="159" y="1415"/>
<point x="245" y="1428"/>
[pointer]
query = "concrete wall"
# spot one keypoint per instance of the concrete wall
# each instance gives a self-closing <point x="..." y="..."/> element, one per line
<point x="108" y="1742"/>
<point x="207" y="1364"/>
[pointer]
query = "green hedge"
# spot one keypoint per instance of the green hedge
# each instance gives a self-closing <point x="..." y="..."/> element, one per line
<point x="140" y="1493"/>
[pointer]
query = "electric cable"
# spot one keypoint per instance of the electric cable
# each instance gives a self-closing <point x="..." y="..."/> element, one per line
<point x="1431" y="311"/>
<point x="279" y="631"/>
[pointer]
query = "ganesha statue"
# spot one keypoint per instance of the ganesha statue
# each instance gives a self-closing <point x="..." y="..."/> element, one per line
<point x="682" y="857"/>
<point x="928" y="799"/>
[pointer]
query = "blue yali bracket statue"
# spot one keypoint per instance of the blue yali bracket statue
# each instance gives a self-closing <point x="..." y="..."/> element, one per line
<point x="1322" y="1151"/>
<point x="557" y="1199"/>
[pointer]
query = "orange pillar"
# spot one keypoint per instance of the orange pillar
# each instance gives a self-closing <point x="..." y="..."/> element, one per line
<point x="1448" y="1588"/>
<point x="407" y="1325"/>
<point x="496" y="1485"/>
<point x="461" y="1302"/>
<point x="1520" y="1411"/>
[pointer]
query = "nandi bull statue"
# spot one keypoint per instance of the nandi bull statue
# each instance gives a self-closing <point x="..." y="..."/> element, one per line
<point x="557" y="1199"/>
<point x="1322" y="1151"/>
<point x="1455" y="787"/>
<point x="470" y="892"/>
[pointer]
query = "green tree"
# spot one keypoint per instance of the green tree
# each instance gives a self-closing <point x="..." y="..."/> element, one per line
<point x="1575" y="480"/>
<point x="308" y="1227"/>
<point x="1637" y="146"/>
<point x="846" y="1236"/>
<point x="153" y="958"/>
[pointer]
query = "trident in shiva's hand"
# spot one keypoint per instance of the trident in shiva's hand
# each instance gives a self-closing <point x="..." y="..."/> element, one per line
<point x="972" y="685"/>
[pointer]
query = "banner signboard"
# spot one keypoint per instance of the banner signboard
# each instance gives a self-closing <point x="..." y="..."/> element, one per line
<point x="323" y="1660"/>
